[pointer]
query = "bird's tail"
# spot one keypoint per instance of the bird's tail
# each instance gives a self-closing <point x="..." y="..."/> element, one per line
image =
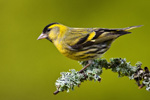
<point x="124" y="31"/>
<point x="131" y="27"/>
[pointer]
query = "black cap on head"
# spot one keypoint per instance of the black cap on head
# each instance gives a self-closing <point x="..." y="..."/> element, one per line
<point x="46" y="27"/>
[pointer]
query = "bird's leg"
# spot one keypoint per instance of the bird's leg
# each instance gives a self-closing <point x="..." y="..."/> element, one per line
<point x="89" y="63"/>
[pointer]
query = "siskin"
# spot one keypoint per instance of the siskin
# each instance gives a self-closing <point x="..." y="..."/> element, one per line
<point x="82" y="44"/>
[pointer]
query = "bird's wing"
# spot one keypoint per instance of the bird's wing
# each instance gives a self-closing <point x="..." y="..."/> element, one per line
<point x="79" y="38"/>
<point x="76" y="37"/>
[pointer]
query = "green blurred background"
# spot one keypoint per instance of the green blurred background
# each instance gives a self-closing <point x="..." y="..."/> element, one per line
<point x="29" y="68"/>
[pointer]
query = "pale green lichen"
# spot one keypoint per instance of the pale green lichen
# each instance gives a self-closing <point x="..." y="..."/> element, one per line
<point x="69" y="80"/>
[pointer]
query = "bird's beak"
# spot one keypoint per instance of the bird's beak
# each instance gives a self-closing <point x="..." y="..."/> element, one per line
<point x="42" y="36"/>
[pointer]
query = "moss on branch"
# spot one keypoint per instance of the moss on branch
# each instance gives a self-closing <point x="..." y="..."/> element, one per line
<point x="69" y="80"/>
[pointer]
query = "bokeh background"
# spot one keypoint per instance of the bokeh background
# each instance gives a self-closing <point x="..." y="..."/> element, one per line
<point x="29" y="68"/>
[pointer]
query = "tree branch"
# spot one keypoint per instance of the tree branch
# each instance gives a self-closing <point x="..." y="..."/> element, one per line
<point x="69" y="80"/>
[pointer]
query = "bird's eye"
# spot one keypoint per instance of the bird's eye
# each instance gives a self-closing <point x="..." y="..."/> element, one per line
<point x="48" y="30"/>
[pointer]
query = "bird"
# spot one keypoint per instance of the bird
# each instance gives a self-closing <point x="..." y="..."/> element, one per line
<point x="82" y="44"/>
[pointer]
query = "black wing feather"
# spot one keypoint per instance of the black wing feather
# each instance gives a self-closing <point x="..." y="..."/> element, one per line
<point x="83" y="43"/>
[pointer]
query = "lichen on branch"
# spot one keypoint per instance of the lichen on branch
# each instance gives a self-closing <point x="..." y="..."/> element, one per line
<point x="69" y="80"/>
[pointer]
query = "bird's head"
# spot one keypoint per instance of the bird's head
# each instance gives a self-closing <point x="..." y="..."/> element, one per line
<point x="52" y="31"/>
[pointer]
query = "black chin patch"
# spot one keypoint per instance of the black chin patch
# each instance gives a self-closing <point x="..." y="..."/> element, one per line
<point x="49" y="39"/>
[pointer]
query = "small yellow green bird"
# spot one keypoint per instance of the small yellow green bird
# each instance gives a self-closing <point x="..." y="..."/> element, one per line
<point x="82" y="44"/>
